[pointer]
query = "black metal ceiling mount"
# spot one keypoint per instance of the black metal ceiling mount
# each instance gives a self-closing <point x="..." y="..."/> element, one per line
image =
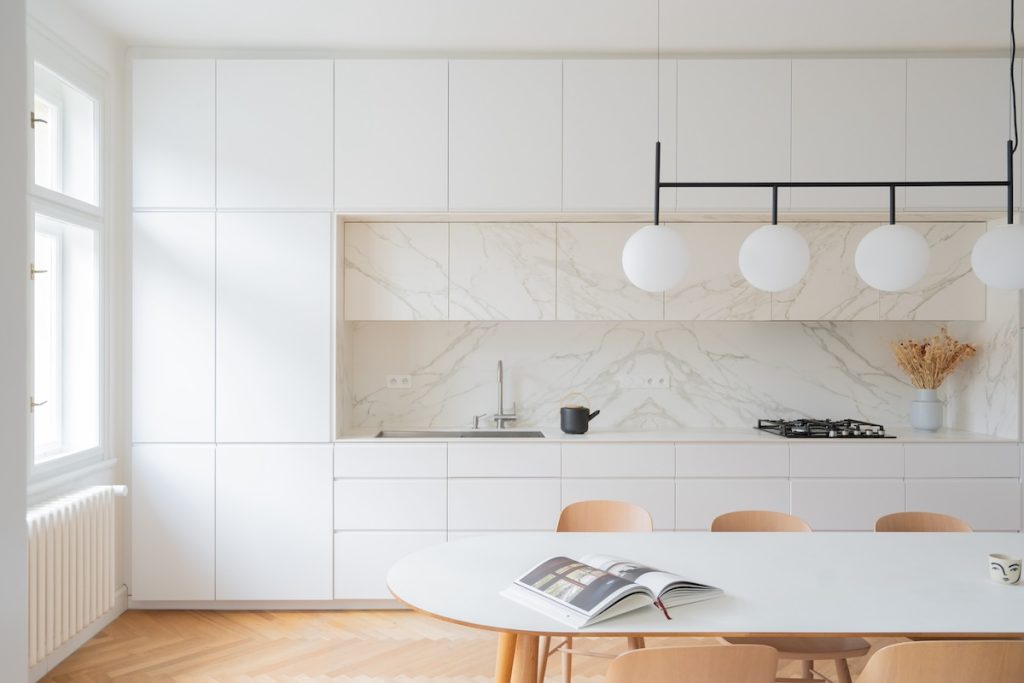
<point x="1008" y="184"/>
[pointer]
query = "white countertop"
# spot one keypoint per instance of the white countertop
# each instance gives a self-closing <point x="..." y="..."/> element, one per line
<point x="695" y="435"/>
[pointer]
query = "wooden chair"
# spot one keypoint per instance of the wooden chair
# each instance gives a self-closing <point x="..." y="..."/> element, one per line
<point x="939" y="661"/>
<point x="697" y="664"/>
<point x="592" y="515"/>
<point x="804" y="650"/>
<point x="920" y="521"/>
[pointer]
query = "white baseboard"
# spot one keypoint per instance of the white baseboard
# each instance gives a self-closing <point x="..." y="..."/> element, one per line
<point x="51" y="661"/>
<point x="267" y="605"/>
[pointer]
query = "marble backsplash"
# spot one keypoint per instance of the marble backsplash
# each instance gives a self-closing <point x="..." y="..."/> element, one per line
<point x="719" y="373"/>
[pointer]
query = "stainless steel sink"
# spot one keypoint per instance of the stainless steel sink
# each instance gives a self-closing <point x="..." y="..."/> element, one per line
<point x="459" y="434"/>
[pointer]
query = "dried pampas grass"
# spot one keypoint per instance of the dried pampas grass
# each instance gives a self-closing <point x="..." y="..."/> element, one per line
<point x="927" y="362"/>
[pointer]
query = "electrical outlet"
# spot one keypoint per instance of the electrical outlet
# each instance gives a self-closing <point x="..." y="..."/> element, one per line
<point x="658" y="381"/>
<point x="399" y="382"/>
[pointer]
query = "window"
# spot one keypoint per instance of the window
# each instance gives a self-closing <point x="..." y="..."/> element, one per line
<point x="66" y="133"/>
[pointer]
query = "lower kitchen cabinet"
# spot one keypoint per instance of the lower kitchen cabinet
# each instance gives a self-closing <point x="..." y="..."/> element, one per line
<point x="845" y="504"/>
<point x="503" y="504"/>
<point x="274" y="531"/>
<point x="172" y="522"/>
<point x="985" y="504"/>
<point x="398" y="504"/>
<point x="657" y="496"/>
<point x="362" y="560"/>
<point x="699" y="501"/>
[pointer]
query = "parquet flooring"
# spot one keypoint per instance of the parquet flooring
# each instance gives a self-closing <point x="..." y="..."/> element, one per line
<point x="307" y="647"/>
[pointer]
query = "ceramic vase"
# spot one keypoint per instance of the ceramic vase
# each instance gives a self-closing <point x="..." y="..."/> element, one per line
<point x="926" y="411"/>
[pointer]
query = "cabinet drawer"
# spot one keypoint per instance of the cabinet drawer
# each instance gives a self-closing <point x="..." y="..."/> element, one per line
<point x="732" y="460"/>
<point x="985" y="504"/>
<point x="857" y="460"/>
<point x="618" y="460"/>
<point x="699" y="501"/>
<point x="503" y="504"/>
<point x="846" y="504"/>
<point x="504" y="460"/>
<point x="362" y="560"/>
<point x="657" y="496"/>
<point x="926" y="460"/>
<point x="409" y="461"/>
<point x="399" y="504"/>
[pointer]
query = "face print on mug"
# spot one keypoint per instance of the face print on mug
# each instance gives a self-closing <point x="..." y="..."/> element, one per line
<point x="1004" y="569"/>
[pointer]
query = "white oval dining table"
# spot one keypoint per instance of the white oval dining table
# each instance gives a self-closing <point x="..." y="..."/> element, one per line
<point x="866" y="584"/>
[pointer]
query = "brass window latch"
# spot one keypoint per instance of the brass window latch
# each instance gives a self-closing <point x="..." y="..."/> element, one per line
<point x="32" y="405"/>
<point x="33" y="120"/>
<point x="32" y="271"/>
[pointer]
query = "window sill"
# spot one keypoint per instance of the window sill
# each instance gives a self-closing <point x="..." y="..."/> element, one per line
<point x="51" y="479"/>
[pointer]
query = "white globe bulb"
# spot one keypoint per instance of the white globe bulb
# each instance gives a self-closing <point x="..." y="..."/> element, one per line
<point x="655" y="258"/>
<point x="998" y="257"/>
<point x="774" y="258"/>
<point x="892" y="257"/>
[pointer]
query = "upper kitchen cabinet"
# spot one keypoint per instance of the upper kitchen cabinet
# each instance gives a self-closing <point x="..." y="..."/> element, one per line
<point x="274" y="125"/>
<point x="391" y="135"/>
<point x="734" y="126"/>
<point x="273" y="326"/>
<point x="173" y="124"/>
<point x="849" y="124"/>
<point x="610" y="126"/>
<point x="505" y="135"/>
<point x="957" y="126"/>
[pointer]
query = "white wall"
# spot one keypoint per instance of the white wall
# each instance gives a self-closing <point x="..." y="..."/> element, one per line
<point x="13" y="345"/>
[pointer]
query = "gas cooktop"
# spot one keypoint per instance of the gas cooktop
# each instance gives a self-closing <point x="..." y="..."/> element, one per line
<point x="806" y="428"/>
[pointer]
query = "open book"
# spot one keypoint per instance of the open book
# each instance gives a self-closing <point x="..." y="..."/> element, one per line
<point x="598" y="587"/>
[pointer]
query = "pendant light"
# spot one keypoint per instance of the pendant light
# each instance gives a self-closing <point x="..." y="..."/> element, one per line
<point x="998" y="256"/>
<point x="655" y="257"/>
<point x="892" y="257"/>
<point x="774" y="257"/>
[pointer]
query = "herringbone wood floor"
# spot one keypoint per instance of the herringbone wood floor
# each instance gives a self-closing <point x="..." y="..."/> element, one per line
<point x="303" y="647"/>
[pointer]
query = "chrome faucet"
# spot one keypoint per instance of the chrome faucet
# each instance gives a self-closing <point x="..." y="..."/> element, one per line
<point x="501" y="418"/>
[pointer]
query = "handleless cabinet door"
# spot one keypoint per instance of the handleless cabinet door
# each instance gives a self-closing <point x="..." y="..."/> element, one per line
<point x="173" y="522"/>
<point x="657" y="496"/>
<point x="173" y="327"/>
<point x="846" y="504"/>
<point x="274" y="327"/>
<point x="362" y="560"/>
<point x="391" y="134"/>
<point x="503" y="504"/>
<point x="274" y="535"/>
<point x="275" y="123"/>
<point x="505" y="135"/>
<point x="173" y="127"/>
<point x="699" y="501"/>
<point x="985" y="504"/>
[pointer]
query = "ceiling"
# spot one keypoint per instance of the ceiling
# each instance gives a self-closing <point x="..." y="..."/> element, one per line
<point x="562" y="27"/>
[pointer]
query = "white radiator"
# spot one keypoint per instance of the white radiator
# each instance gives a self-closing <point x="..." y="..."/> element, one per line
<point x="71" y="546"/>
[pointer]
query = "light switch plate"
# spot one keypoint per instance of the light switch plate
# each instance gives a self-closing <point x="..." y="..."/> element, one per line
<point x="399" y="382"/>
<point x="655" y="381"/>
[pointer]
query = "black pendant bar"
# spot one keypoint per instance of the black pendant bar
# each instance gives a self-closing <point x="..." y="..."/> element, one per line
<point x="892" y="185"/>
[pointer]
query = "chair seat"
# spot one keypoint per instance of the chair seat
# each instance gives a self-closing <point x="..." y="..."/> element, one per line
<point x="810" y="648"/>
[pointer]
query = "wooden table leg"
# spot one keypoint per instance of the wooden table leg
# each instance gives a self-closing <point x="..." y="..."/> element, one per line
<point x="506" y="655"/>
<point x="524" y="668"/>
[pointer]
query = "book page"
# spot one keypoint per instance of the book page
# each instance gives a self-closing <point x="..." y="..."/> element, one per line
<point x="584" y="588"/>
<point x="655" y="580"/>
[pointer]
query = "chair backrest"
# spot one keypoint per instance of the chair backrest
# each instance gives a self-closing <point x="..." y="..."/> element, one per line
<point x="604" y="515"/>
<point x="939" y="661"/>
<point x="920" y="521"/>
<point x="696" y="664"/>
<point x="758" y="520"/>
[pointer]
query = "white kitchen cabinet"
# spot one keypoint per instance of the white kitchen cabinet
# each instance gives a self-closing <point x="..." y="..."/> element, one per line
<point x="504" y="460"/>
<point x="391" y="135"/>
<point x="173" y="327"/>
<point x="618" y="460"/>
<point x="733" y="125"/>
<point x="275" y="121"/>
<point x="657" y="496"/>
<point x="741" y="460"/>
<point x="173" y="127"/>
<point x="962" y="460"/>
<point x="505" y="135"/>
<point x="849" y="124"/>
<point x="845" y="504"/>
<point x="699" y="501"/>
<point x="390" y="504"/>
<point x="957" y="128"/>
<point x="172" y="497"/>
<point x="362" y="560"/>
<point x="503" y="504"/>
<point x="274" y="535"/>
<point x="409" y="460"/>
<point x="610" y="126"/>
<point x="854" y="460"/>
<point x="985" y="504"/>
<point x="274" y="321"/>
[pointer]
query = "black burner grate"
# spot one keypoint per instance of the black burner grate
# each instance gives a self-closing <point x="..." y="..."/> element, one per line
<point x="824" y="429"/>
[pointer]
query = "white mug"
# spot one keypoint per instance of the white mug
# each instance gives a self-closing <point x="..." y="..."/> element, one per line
<point x="1003" y="568"/>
